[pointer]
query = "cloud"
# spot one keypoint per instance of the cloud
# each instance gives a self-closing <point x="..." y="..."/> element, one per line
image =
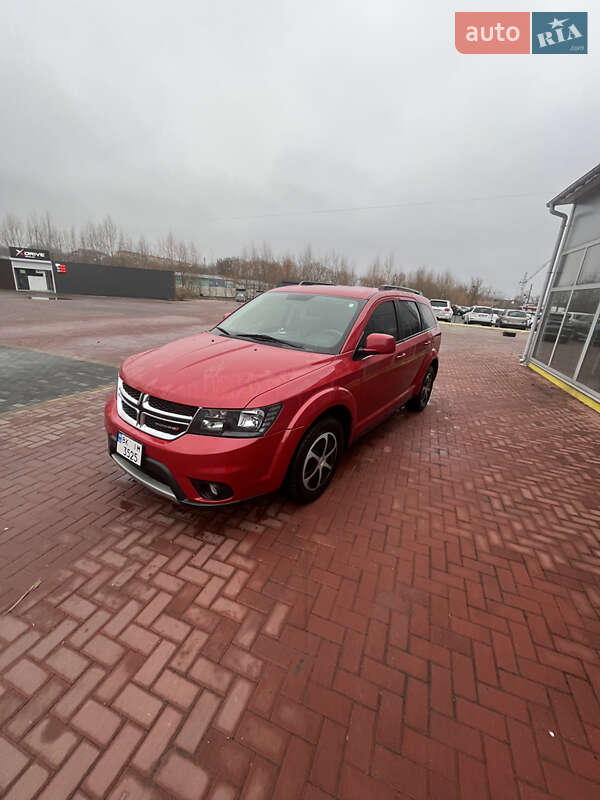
<point x="219" y="121"/>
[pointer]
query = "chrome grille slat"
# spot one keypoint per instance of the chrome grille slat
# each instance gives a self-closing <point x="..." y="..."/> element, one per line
<point x="148" y="418"/>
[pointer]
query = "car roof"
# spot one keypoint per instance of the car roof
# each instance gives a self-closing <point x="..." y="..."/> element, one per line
<point x="358" y="292"/>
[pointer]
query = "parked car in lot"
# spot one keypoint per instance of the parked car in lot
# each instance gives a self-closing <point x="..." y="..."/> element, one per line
<point x="480" y="315"/>
<point x="513" y="318"/>
<point x="273" y="394"/>
<point x="442" y="309"/>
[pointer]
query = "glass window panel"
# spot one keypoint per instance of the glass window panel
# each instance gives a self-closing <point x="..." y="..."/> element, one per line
<point x="550" y="325"/>
<point x="589" y="374"/>
<point x="568" y="268"/>
<point x="575" y="329"/>
<point x="383" y="320"/>
<point x="409" y="321"/>
<point x="590" y="272"/>
<point x="427" y="318"/>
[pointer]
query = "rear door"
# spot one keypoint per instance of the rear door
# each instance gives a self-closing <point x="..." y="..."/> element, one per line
<point x="415" y="341"/>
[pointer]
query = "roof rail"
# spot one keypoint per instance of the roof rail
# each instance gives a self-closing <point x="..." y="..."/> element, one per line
<point x="316" y="283"/>
<point x="388" y="286"/>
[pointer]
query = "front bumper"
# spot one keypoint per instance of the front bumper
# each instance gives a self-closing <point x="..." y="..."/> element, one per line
<point x="250" y="467"/>
<point x="445" y="316"/>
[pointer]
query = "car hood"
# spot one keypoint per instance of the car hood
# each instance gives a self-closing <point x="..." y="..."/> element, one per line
<point x="216" y="371"/>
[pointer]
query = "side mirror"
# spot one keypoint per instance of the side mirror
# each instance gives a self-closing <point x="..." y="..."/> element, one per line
<point x="379" y="344"/>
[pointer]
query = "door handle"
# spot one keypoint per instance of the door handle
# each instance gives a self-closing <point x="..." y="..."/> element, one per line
<point x="400" y="355"/>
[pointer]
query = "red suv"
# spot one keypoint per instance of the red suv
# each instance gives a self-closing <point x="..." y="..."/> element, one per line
<point x="272" y="395"/>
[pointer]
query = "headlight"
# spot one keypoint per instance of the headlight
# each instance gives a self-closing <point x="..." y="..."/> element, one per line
<point x="244" y="422"/>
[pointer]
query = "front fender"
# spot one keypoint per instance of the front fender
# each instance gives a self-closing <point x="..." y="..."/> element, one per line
<point x="317" y="404"/>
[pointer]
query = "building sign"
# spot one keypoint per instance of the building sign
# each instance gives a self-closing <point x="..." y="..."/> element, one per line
<point x="29" y="253"/>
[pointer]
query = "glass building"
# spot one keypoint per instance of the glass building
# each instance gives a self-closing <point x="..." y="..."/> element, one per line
<point x="566" y="342"/>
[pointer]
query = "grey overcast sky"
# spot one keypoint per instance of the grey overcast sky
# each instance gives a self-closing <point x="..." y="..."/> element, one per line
<point x="216" y="120"/>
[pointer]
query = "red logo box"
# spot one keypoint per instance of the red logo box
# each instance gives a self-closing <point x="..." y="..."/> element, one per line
<point x="492" y="32"/>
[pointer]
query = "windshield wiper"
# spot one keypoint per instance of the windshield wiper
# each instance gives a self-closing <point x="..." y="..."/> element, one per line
<point x="264" y="337"/>
<point x="219" y="328"/>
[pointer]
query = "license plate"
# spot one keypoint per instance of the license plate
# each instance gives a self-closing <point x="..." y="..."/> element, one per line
<point x="129" y="448"/>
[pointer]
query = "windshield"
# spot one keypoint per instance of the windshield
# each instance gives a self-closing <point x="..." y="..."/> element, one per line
<point x="439" y="302"/>
<point x="482" y="310"/>
<point x="315" y="322"/>
<point x="517" y="314"/>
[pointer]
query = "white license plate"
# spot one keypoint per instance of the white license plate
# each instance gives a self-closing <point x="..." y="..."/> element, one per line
<point x="129" y="448"/>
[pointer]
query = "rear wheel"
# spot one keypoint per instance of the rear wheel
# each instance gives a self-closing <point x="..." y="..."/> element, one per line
<point x="420" y="400"/>
<point x="315" y="461"/>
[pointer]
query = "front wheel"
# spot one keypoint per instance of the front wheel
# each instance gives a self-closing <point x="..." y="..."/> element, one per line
<point x="315" y="461"/>
<point x="420" y="400"/>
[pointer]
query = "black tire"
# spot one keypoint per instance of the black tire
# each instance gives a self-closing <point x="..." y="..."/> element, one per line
<point x="303" y="483"/>
<point x="420" y="400"/>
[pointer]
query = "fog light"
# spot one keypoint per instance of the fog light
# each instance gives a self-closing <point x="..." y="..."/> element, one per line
<point x="211" y="490"/>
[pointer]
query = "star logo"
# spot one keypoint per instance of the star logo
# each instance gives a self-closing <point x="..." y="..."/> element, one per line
<point x="557" y="23"/>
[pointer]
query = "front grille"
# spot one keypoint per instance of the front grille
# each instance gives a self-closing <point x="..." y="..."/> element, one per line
<point x="134" y="394"/>
<point x="130" y="410"/>
<point x="165" y="426"/>
<point x="171" y="407"/>
<point x="153" y="415"/>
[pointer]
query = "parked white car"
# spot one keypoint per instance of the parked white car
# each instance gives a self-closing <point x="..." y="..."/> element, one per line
<point x="479" y="315"/>
<point x="442" y="309"/>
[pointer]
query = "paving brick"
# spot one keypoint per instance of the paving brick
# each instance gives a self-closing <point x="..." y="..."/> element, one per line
<point x="500" y="770"/>
<point x="104" y="650"/>
<point x="123" y="672"/>
<point x="171" y="628"/>
<point x="297" y="719"/>
<point x="328" y="756"/>
<point x="154" y="664"/>
<point x="524" y="753"/>
<point x="96" y="721"/>
<point x="138" y="638"/>
<point x="26" y="676"/>
<point x="454" y="734"/>
<point x="198" y="721"/>
<point x="67" y="663"/>
<point x="55" y="637"/>
<point x="242" y="662"/>
<point x="12" y="761"/>
<point x="182" y="777"/>
<point x="249" y="629"/>
<point x="398" y="771"/>
<point x="356" y="786"/>
<point x="157" y="740"/>
<point x="175" y="689"/>
<point x="28" y="784"/>
<point x="472" y="778"/>
<point x="137" y="704"/>
<point x="211" y="675"/>
<point x="331" y="704"/>
<point x="294" y="771"/>
<point x="431" y="754"/>
<point x="78" y="607"/>
<point x="260" y="782"/>
<point x="234" y="705"/>
<point x="360" y="737"/>
<point x="262" y="737"/>
<point x="51" y="740"/>
<point x="17" y="648"/>
<point x="11" y="628"/>
<point x="70" y="774"/>
<point x="389" y="721"/>
<point x="112" y="760"/>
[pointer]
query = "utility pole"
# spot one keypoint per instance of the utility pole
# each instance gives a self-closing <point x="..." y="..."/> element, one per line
<point x="522" y="284"/>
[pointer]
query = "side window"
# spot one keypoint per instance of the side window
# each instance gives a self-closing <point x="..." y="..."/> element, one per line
<point x="427" y="316"/>
<point x="409" y="320"/>
<point x="383" y="320"/>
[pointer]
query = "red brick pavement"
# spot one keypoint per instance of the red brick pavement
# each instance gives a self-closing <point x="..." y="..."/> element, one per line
<point x="428" y="629"/>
